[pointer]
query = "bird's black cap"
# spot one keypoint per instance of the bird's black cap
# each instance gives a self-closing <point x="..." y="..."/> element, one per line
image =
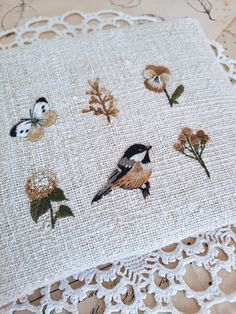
<point x="135" y="149"/>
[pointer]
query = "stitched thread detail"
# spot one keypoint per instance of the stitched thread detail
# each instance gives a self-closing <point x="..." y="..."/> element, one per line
<point x="192" y="145"/>
<point x="42" y="190"/>
<point x="133" y="172"/>
<point x="157" y="78"/>
<point x="101" y="101"/>
<point x="41" y="117"/>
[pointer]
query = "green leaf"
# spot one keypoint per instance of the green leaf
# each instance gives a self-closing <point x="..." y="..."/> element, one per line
<point x="57" y="195"/>
<point x="177" y="93"/>
<point x="64" y="211"/>
<point x="39" y="207"/>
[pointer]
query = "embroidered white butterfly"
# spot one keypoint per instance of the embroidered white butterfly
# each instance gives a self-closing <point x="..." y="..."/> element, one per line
<point x="33" y="127"/>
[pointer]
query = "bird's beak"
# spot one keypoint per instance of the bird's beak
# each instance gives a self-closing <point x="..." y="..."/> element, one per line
<point x="149" y="147"/>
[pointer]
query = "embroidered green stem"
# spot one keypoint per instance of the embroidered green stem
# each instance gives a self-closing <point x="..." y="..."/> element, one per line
<point x="202" y="149"/>
<point x="192" y="149"/>
<point x="188" y="156"/>
<point x="198" y="158"/>
<point x="52" y="217"/>
<point x="168" y="97"/>
<point x="177" y="93"/>
<point x="42" y="195"/>
<point x="206" y="170"/>
<point x="202" y="162"/>
<point x="192" y="146"/>
<point x="197" y="155"/>
<point x="157" y="78"/>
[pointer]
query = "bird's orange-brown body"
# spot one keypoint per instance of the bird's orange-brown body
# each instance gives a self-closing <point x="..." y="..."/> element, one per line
<point x="133" y="172"/>
<point x="135" y="178"/>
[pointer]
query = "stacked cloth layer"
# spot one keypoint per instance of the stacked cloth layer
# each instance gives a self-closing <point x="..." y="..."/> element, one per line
<point x="75" y="190"/>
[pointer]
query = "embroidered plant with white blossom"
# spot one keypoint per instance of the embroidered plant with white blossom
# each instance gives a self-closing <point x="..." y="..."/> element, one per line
<point x="101" y="101"/>
<point x="157" y="78"/>
<point x="42" y="190"/>
<point x="192" y="145"/>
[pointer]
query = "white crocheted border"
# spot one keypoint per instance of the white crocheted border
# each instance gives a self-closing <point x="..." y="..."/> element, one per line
<point x="125" y="285"/>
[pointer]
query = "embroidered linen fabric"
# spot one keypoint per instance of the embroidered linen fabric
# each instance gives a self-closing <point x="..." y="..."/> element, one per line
<point x="83" y="150"/>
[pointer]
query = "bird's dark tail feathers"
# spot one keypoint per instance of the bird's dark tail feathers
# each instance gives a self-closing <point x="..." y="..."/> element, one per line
<point x="104" y="191"/>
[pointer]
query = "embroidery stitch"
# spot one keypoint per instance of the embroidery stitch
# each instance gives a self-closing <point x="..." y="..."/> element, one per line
<point x="192" y="145"/>
<point x="133" y="172"/>
<point x="42" y="189"/>
<point x="101" y="101"/>
<point x="40" y="117"/>
<point x="156" y="79"/>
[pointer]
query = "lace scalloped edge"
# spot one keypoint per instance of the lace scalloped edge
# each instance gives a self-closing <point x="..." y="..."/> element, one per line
<point x="126" y="285"/>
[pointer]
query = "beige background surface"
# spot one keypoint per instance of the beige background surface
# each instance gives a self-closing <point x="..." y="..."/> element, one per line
<point x="219" y="24"/>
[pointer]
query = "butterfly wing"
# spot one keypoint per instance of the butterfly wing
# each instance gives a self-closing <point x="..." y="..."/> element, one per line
<point x="40" y="108"/>
<point x="35" y="133"/>
<point x="44" y="117"/>
<point x="49" y="118"/>
<point x="21" y="129"/>
<point x="33" y="128"/>
<point x="42" y="112"/>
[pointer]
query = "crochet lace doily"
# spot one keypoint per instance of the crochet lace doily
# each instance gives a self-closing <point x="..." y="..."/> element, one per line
<point x="164" y="281"/>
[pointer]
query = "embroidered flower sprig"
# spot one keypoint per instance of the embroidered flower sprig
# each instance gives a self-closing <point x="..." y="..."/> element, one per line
<point x="42" y="190"/>
<point x="192" y="145"/>
<point x="156" y="79"/>
<point x="101" y="101"/>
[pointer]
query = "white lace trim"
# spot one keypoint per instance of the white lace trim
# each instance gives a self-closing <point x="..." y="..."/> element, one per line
<point x="151" y="282"/>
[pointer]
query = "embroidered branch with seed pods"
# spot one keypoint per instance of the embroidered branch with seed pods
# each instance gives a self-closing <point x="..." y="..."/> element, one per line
<point x="101" y="101"/>
<point x="42" y="190"/>
<point x="156" y="79"/>
<point x="192" y="145"/>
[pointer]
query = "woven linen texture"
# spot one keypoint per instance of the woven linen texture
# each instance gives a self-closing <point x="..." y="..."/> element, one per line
<point x="83" y="150"/>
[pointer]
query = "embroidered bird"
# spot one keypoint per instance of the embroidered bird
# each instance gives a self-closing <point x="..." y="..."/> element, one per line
<point x="133" y="172"/>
